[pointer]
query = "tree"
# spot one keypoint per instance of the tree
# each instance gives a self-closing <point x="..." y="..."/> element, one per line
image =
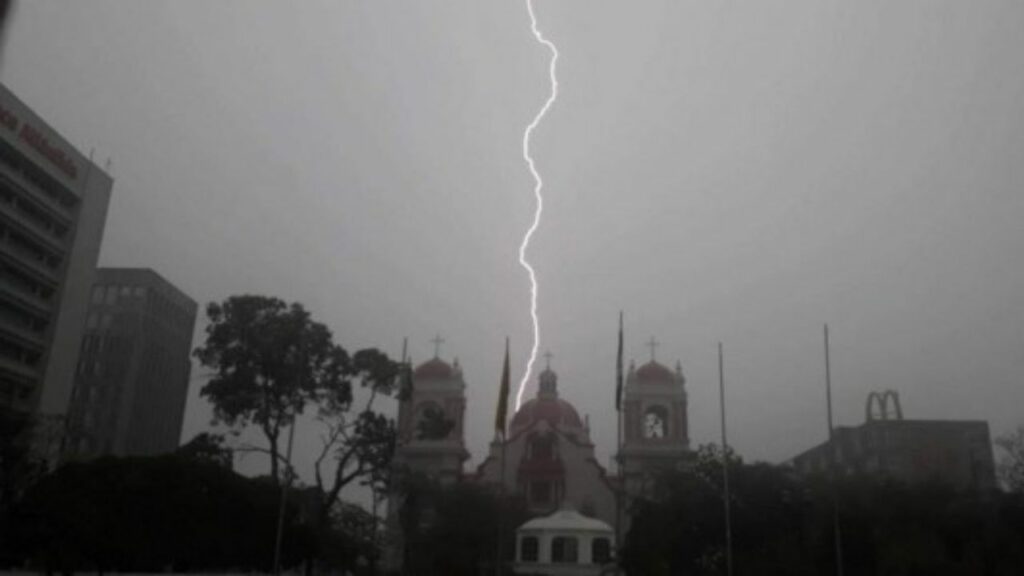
<point x="269" y="360"/>
<point x="1011" y="464"/>
<point x="358" y="445"/>
<point x="453" y="530"/>
<point x="19" y="469"/>
<point x="207" y="447"/>
<point x="154" y="514"/>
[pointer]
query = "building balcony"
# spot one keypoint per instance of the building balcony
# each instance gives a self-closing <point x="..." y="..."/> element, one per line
<point x="19" y="221"/>
<point x="24" y="298"/>
<point x="17" y="180"/>
<point x="30" y="263"/>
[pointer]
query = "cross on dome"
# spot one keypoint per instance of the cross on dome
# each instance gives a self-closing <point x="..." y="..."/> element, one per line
<point x="547" y="358"/>
<point x="653" y="344"/>
<point x="437" y="340"/>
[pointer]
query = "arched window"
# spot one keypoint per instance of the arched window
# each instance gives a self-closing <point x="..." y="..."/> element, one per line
<point x="431" y="423"/>
<point x="600" y="551"/>
<point x="564" y="550"/>
<point x="529" y="549"/>
<point x="656" y="423"/>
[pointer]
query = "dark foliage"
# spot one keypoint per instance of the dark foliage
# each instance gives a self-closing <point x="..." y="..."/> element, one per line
<point x="19" y="469"/>
<point x="153" y="514"/>
<point x="782" y="524"/>
<point x="453" y="530"/>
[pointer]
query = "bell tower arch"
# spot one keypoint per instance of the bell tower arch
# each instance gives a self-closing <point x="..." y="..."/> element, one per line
<point x="655" y="425"/>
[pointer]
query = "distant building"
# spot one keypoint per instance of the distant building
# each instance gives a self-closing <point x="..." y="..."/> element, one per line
<point x="957" y="453"/>
<point x="133" y="372"/>
<point x="53" y="207"/>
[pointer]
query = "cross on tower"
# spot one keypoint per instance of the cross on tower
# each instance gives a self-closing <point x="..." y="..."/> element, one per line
<point x="652" y="344"/>
<point x="547" y="358"/>
<point x="437" y="340"/>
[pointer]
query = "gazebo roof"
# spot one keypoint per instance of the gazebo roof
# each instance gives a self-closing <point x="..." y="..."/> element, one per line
<point x="566" y="520"/>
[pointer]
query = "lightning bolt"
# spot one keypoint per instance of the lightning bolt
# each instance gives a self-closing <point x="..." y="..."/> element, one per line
<point x="539" y="184"/>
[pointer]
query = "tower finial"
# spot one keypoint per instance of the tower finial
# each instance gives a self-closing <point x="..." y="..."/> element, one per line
<point x="652" y="344"/>
<point x="437" y="340"/>
<point x="547" y="358"/>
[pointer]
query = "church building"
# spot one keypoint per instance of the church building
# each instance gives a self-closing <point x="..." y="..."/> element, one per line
<point x="547" y="455"/>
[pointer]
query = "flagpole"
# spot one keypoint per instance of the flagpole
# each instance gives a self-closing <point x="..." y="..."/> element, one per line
<point x="619" y="492"/>
<point x="725" y="461"/>
<point x="832" y="461"/>
<point x="499" y="436"/>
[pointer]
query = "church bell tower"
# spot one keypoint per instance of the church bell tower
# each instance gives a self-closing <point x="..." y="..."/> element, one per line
<point x="655" y="427"/>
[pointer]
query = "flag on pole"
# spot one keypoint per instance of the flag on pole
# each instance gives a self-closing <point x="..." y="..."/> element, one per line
<point x="502" y="413"/>
<point x="618" y="370"/>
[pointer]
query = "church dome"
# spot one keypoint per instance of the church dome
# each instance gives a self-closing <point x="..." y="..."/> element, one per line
<point x="656" y="373"/>
<point x="547" y="406"/>
<point x="434" y="369"/>
<point x="557" y="413"/>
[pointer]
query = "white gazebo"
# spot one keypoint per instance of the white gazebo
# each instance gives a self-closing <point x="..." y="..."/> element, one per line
<point x="563" y="544"/>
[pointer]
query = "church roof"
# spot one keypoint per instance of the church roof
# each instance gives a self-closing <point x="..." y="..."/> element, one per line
<point x="434" y="369"/>
<point x="547" y="406"/>
<point x="556" y="411"/>
<point x="567" y="519"/>
<point x="653" y="371"/>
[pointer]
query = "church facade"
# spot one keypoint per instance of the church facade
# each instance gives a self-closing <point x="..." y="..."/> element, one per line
<point x="547" y="455"/>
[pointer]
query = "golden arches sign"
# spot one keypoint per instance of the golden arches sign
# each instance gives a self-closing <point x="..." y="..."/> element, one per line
<point x="881" y="400"/>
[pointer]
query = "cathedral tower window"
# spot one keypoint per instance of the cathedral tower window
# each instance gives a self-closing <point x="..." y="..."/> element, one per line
<point x="431" y="423"/>
<point x="655" y="423"/>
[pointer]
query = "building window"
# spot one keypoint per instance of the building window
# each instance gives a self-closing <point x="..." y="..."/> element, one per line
<point x="106" y="321"/>
<point x="111" y="294"/>
<point x="93" y="320"/>
<point x="564" y="550"/>
<point x="126" y="291"/>
<point x="97" y="294"/>
<point x="656" y="423"/>
<point x="600" y="551"/>
<point x="140" y="291"/>
<point x="529" y="549"/>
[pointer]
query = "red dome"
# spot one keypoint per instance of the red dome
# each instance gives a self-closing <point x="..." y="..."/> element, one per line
<point x="434" y="369"/>
<point x="557" y="412"/>
<point x="654" y="372"/>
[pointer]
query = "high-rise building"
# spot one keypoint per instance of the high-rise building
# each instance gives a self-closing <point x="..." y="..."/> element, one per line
<point x="53" y="207"/>
<point x="133" y="370"/>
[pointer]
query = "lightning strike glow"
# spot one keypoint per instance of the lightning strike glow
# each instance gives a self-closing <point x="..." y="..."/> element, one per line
<point x="539" y="184"/>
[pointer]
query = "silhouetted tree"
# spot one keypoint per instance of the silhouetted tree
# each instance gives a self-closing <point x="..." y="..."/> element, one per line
<point x="269" y="360"/>
<point x="453" y="530"/>
<point x="358" y="443"/>
<point x="208" y="447"/>
<point x="19" y="469"/>
<point x="782" y="524"/>
<point x="154" y="514"/>
<point x="1011" y="461"/>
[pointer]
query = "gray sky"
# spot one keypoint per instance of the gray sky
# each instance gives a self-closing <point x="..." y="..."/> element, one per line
<point x="725" y="171"/>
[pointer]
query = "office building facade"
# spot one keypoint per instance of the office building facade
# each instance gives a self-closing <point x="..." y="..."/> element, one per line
<point x="53" y="208"/>
<point x="133" y="372"/>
